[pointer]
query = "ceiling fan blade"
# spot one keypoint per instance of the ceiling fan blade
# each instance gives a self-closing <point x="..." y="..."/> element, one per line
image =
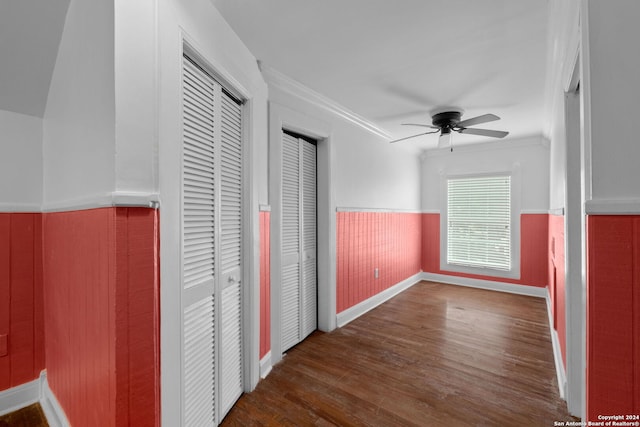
<point x="484" y="132"/>
<point x="485" y="118"/>
<point x="420" y="124"/>
<point x="413" y="136"/>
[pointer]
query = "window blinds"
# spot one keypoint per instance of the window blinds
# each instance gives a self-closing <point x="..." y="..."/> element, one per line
<point x="479" y="222"/>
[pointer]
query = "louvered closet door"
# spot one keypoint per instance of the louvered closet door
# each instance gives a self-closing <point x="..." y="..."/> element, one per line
<point x="230" y="252"/>
<point x="198" y="246"/>
<point x="212" y="261"/>
<point x="299" y="266"/>
<point x="309" y="280"/>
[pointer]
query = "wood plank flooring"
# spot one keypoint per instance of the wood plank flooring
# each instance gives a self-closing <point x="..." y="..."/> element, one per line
<point x="30" y="416"/>
<point x="435" y="355"/>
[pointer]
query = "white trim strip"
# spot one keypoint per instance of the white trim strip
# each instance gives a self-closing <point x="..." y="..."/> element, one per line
<point x="287" y="84"/>
<point x="265" y="365"/>
<point x="18" y="397"/>
<point x="264" y="208"/>
<point x="36" y="391"/>
<point x="19" y="208"/>
<point x="381" y="210"/>
<point x="557" y="352"/>
<point x="50" y="405"/>
<point x="532" y="291"/>
<point x="613" y="207"/>
<point x="534" y="212"/>
<point x="114" y="199"/>
<point x="557" y="212"/>
<point x="361" y="308"/>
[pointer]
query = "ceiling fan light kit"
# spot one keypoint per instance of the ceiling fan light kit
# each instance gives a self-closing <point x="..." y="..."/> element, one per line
<point x="446" y="120"/>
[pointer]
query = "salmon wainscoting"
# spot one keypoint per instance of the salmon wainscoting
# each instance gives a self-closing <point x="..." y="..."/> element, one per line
<point x="613" y="315"/>
<point x="22" y="354"/>
<point x="101" y="315"/>
<point x="375" y="251"/>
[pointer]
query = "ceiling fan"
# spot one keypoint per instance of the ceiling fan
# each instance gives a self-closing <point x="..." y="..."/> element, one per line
<point x="448" y="120"/>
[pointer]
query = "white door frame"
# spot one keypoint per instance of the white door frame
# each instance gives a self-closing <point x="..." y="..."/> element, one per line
<point x="577" y="190"/>
<point x="281" y="117"/>
<point x="169" y="159"/>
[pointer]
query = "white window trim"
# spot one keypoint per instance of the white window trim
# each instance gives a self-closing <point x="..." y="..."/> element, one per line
<point x="514" y="272"/>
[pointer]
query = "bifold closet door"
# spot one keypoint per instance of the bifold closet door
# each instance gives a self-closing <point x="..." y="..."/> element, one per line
<point x="231" y="252"/>
<point x="299" y="266"/>
<point x="211" y="248"/>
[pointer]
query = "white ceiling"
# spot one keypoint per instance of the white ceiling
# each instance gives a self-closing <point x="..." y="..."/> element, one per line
<point x="390" y="62"/>
<point x="30" y="32"/>
<point x="393" y="62"/>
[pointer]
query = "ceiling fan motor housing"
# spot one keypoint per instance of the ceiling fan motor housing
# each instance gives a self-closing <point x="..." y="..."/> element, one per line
<point x="446" y="120"/>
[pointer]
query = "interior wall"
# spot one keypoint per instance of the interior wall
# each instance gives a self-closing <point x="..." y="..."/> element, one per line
<point x="135" y="98"/>
<point x="22" y="354"/>
<point x="613" y="306"/>
<point x="100" y="269"/>
<point x="20" y="162"/>
<point x="529" y="160"/>
<point x="530" y="156"/>
<point x="79" y="120"/>
<point x="614" y="96"/>
<point x="199" y="23"/>
<point x="533" y="251"/>
<point x="565" y="286"/>
<point x="375" y="250"/>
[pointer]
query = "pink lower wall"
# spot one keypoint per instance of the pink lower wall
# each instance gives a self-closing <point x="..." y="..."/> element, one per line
<point x="613" y="315"/>
<point x="534" y="232"/>
<point x="369" y="240"/>
<point x="557" y="281"/>
<point x="265" y="284"/>
<point x="22" y="354"/>
<point x="101" y="309"/>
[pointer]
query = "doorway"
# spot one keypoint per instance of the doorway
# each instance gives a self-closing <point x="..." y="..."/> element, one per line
<point x="211" y="209"/>
<point x="299" y="284"/>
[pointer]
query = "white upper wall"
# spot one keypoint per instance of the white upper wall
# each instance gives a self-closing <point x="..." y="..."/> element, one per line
<point x="527" y="157"/>
<point x="79" y="120"/>
<point x="20" y="162"/>
<point x="135" y="63"/>
<point x="366" y="171"/>
<point x="614" y="66"/>
<point x="563" y="40"/>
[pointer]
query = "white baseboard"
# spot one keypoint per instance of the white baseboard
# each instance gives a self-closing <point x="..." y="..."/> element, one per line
<point x="532" y="291"/>
<point x="361" y="308"/>
<point x="557" y="352"/>
<point x="18" y="397"/>
<point x="50" y="405"/>
<point x="36" y="391"/>
<point x="265" y="365"/>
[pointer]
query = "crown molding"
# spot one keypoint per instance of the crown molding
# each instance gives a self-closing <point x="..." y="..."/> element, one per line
<point x="287" y="84"/>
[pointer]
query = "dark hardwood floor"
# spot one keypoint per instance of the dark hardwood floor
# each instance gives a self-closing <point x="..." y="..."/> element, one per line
<point x="435" y="355"/>
<point x="30" y="416"/>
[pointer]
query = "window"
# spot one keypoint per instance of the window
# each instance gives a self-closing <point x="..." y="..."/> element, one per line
<point x="479" y="222"/>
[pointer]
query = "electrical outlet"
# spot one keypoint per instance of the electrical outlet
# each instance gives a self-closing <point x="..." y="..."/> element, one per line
<point x="376" y="273"/>
<point x="3" y="345"/>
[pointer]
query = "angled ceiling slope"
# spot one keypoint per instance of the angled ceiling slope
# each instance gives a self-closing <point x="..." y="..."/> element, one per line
<point x="30" y="33"/>
<point x="395" y="62"/>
